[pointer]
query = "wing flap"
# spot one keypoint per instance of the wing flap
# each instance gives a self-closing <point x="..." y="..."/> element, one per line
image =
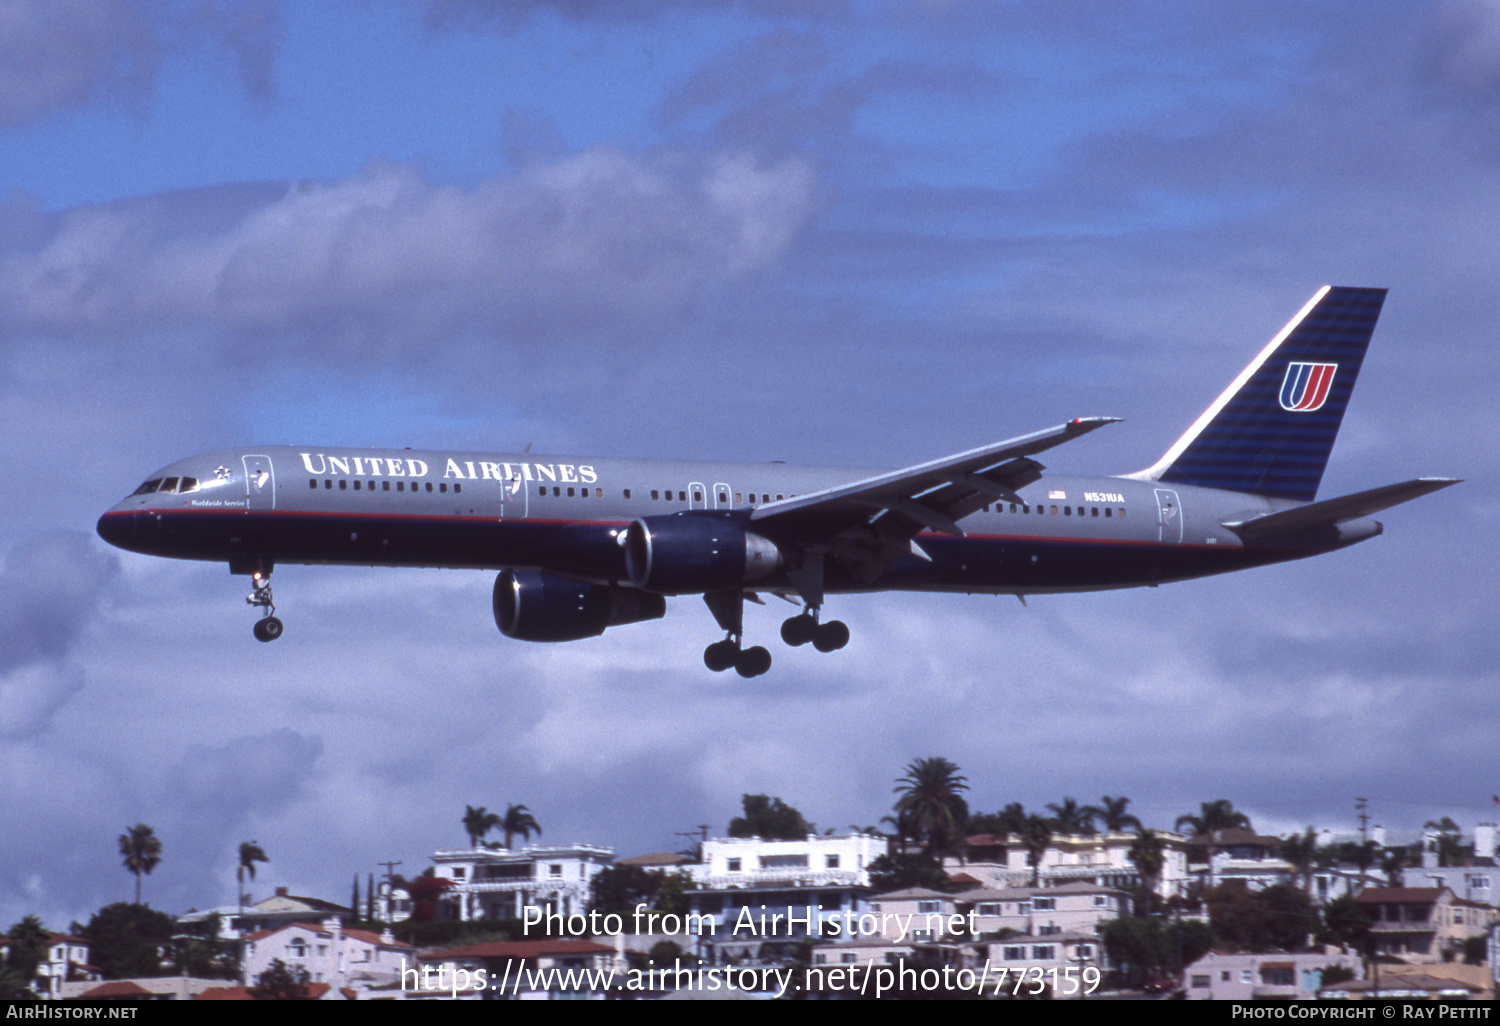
<point x="1335" y="511"/>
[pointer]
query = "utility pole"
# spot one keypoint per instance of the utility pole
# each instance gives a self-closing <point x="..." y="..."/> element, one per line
<point x="1362" y="805"/>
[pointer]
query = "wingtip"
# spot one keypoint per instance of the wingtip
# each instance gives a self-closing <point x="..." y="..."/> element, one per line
<point x="1094" y="422"/>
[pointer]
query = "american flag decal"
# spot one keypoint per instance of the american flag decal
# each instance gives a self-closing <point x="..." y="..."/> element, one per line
<point x="1305" y="387"/>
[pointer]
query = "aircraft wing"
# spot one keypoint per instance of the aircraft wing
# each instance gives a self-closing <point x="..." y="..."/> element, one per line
<point x="1335" y="511"/>
<point x="869" y="525"/>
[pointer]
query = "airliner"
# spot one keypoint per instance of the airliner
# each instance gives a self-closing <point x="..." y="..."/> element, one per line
<point x="585" y="543"/>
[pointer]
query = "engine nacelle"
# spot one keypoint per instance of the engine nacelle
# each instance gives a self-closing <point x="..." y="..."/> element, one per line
<point x="685" y="554"/>
<point x="533" y="606"/>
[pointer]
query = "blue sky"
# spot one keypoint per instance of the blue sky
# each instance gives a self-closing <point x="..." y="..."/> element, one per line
<point x="862" y="233"/>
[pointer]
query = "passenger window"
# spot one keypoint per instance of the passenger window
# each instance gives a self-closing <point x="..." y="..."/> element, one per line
<point x="682" y="496"/>
<point x="400" y="486"/>
<point x="327" y="482"/>
<point x="697" y="495"/>
<point x="723" y="497"/>
<point x="1054" y="511"/>
<point x="1095" y="512"/>
<point x="598" y="493"/>
<point x="739" y="497"/>
<point x="443" y="487"/>
<point x="1013" y="507"/>
<point x="312" y="483"/>
<point x="779" y="498"/>
<point x="343" y="485"/>
<point x="1025" y="509"/>
<point x="385" y="486"/>
<point x="429" y="486"/>
<point x="765" y="498"/>
<point x="1108" y="511"/>
<point x="356" y="486"/>
<point x="1067" y="511"/>
<point x="570" y="493"/>
<point x="653" y="493"/>
<point x="627" y="493"/>
<point x="457" y="488"/>
<point x="370" y="485"/>
<point x="1122" y="514"/>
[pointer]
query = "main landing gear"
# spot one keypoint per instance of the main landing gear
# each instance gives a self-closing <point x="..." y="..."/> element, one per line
<point x="825" y="637"/>
<point x="268" y="627"/>
<point x="747" y="662"/>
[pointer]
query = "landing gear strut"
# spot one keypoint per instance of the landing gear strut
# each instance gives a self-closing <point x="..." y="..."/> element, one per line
<point x="728" y="608"/>
<point x="268" y="627"/>
<point x="825" y="637"/>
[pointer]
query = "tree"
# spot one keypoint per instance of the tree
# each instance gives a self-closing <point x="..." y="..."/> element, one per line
<point x="900" y="870"/>
<point x="128" y="940"/>
<point x="281" y="982"/>
<point x="425" y="892"/>
<point x="931" y="802"/>
<point x="1111" y="813"/>
<point x="619" y="889"/>
<point x="1363" y="854"/>
<point x="769" y="819"/>
<point x="672" y="893"/>
<point x="250" y="853"/>
<point x="1449" y="840"/>
<point x="1148" y="854"/>
<point x="478" y="822"/>
<point x="1279" y="917"/>
<point x="27" y="949"/>
<point x="1070" y="818"/>
<point x="1301" y="850"/>
<point x="518" y="820"/>
<point x="1346" y="923"/>
<point x="1036" y="835"/>
<point x="1213" y="817"/>
<point x="141" y="851"/>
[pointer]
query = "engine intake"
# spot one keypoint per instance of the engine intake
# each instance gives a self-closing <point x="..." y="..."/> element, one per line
<point x="533" y="606"/>
<point x="685" y="554"/>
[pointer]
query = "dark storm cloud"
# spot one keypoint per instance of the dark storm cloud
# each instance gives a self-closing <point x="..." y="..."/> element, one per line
<point x="58" y="55"/>
<point x="513" y="15"/>
<point x="387" y="258"/>
<point x="50" y="590"/>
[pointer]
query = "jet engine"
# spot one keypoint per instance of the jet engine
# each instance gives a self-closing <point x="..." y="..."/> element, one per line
<point x="533" y="606"/>
<point x="687" y="554"/>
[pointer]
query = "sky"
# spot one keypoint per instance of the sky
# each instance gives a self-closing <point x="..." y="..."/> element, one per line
<point x="838" y="233"/>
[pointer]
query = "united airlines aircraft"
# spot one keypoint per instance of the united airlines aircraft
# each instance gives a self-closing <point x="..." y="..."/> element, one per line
<point x="584" y="543"/>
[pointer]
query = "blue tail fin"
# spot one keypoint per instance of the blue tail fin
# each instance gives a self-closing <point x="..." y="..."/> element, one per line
<point x="1271" y="431"/>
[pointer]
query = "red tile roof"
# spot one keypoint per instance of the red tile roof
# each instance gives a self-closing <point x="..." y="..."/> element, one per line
<point x="1397" y="895"/>
<point x="521" y="949"/>
<point x="374" y="938"/>
<point x="117" y="989"/>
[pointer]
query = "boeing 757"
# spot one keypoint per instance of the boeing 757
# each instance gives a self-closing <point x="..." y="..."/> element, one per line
<point x="585" y="543"/>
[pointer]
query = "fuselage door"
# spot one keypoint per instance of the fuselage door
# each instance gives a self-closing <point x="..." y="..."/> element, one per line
<point x="260" y="482"/>
<point x="697" y="496"/>
<point x="1168" y="516"/>
<point x="514" y="497"/>
<point x="723" y="497"/>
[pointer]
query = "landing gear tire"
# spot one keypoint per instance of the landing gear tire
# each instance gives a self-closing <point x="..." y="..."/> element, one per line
<point x="753" y="662"/>
<point x="831" y="636"/>
<point x="268" y="629"/>
<point x="721" y="655"/>
<point x="799" y="630"/>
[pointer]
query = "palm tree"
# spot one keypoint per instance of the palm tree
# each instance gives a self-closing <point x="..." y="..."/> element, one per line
<point x="1449" y="836"/>
<point x="1071" y="818"/>
<point x="1301" y="850"/>
<point x="1392" y="865"/>
<point x="1212" y="817"/>
<point x="519" y="821"/>
<point x="1111" y="812"/>
<point x="478" y="822"/>
<point x="1363" y="854"/>
<point x="1148" y="854"/>
<point x="931" y="803"/>
<point x="142" y="853"/>
<point x="1013" y="819"/>
<point x="1036" y="834"/>
<point x="250" y="853"/>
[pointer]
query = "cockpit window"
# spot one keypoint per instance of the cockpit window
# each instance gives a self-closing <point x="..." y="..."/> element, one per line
<point x="168" y="485"/>
<point x="148" y="487"/>
<point x="189" y="484"/>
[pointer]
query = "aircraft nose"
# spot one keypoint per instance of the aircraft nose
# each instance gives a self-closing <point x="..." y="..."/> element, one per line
<point x="117" y="528"/>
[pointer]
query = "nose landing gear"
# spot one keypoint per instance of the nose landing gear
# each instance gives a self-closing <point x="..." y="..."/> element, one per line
<point x="268" y="627"/>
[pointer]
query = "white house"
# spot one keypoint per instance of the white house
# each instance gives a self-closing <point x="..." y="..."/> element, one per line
<point x="330" y="952"/>
<point x="497" y="883"/>
<point x="1103" y="860"/>
<point x="1239" y="977"/>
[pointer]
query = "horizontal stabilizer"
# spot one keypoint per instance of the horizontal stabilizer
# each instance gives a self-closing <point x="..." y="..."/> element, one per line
<point x="1336" y="511"/>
